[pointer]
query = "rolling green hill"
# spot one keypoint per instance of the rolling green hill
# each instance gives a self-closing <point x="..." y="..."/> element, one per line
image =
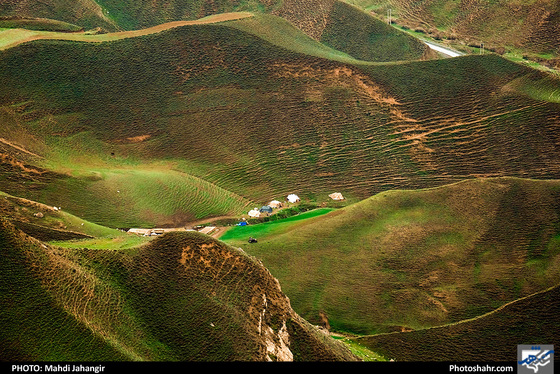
<point x="182" y="297"/>
<point x="488" y="338"/>
<point x="328" y="21"/>
<point x="528" y="28"/>
<point x="418" y="259"/>
<point x="37" y="24"/>
<point x="84" y="13"/>
<point x="450" y="170"/>
<point x="214" y="107"/>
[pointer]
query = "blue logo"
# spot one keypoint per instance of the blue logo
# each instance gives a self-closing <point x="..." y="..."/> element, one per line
<point x="535" y="359"/>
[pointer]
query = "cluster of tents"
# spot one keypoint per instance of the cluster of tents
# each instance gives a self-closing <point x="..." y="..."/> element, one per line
<point x="274" y="204"/>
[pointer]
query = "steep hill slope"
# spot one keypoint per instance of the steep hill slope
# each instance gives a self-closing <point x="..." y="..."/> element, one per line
<point x="47" y="222"/>
<point x="531" y="27"/>
<point x="182" y="297"/>
<point x="251" y="120"/>
<point x="336" y="23"/>
<point x="366" y="38"/>
<point x="417" y="259"/>
<point x="492" y="337"/>
<point x="85" y="13"/>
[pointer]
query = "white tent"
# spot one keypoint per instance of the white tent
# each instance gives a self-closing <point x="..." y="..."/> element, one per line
<point x="275" y="204"/>
<point x="292" y="198"/>
<point x="254" y="213"/>
<point x="336" y="196"/>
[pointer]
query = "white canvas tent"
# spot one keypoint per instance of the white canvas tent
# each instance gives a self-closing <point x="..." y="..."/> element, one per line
<point x="275" y="204"/>
<point x="254" y="213"/>
<point x="336" y="196"/>
<point x="293" y="198"/>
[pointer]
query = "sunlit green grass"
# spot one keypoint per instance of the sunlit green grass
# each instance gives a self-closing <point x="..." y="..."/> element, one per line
<point x="114" y="243"/>
<point x="242" y="233"/>
<point x="280" y="32"/>
<point x="361" y="351"/>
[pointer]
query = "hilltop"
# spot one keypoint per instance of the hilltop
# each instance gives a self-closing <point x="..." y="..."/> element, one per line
<point x="409" y="260"/>
<point x="181" y="297"/>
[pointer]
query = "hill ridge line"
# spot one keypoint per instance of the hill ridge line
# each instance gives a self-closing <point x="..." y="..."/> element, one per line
<point x="29" y="35"/>
<point x="474" y="318"/>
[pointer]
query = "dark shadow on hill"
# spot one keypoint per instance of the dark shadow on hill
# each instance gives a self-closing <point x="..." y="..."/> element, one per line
<point x="493" y="337"/>
<point x="182" y="297"/>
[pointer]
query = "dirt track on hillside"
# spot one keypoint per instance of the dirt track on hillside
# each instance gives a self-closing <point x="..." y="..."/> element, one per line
<point x="28" y="35"/>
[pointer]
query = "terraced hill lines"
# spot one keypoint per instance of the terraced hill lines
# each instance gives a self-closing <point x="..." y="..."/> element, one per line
<point x="259" y="120"/>
<point x="311" y="16"/>
<point x="456" y="130"/>
<point x="533" y="34"/>
<point x="181" y="297"/>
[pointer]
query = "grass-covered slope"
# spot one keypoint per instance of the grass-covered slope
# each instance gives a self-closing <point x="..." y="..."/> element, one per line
<point x="491" y="337"/>
<point x="416" y="259"/>
<point x="48" y="222"/>
<point x="250" y="119"/>
<point x="15" y="22"/>
<point x="181" y="297"/>
<point x="531" y="26"/>
<point x="366" y="38"/>
<point x="347" y="28"/>
<point x="50" y="333"/>
<point x="85" y="13"/>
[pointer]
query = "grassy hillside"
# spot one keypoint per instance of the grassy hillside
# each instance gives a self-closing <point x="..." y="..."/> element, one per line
<point x="529" y="28"/>
<point x="416" y="259"/>
<point x="47" y="222"/>
<point x="84" y="13"/>
<point x="37" y="24"/>
<point x="366" y="38"/>
<point x="240" y="234"/>
<point x="182" y="297"/>
<point x="215" y="107"/>
<point x="492" y="337"/>
<point x="50" y="332"/>
<point x="334" y="19"/>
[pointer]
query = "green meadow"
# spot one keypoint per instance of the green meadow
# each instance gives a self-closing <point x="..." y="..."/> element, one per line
<point x="115" y="242"/>
<point x="239" y="234"/>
